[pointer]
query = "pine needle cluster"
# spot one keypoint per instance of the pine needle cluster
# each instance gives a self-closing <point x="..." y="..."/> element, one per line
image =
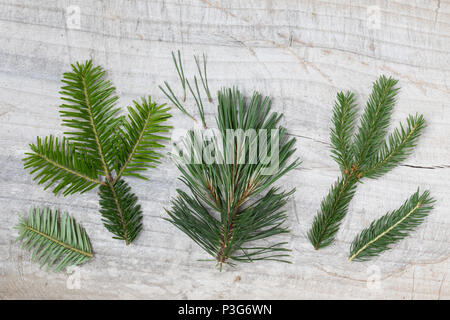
<point x="101" y="147"/>
<point x="233" y="208"/>
<point x="362" y="152"/>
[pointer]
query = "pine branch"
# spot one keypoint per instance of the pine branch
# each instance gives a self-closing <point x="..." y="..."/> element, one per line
<point x="367" y="154"/>
<point x="391" y="228"/>
<point x="220" y="215"/>
<point x="343" y="126"/>
<point x="121" y="214"/>
<point x="139" y="137"/>
<point x="57" y="162"/>
<point x="58" y="242"/>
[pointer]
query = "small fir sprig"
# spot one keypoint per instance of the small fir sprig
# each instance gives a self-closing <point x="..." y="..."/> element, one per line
<point x="56" y="241"/>
<point x="362" y="154"/>
<point x="101" y="147"/>
<point x="391" y="228"/>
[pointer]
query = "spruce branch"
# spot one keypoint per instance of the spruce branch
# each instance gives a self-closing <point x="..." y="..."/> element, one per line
<point x="333" y="209"/>
<point x="375" y="120"/>
<point x="391" y="228"/>
<point x="55" y="241"/>
<point x="344" y="114"/>
<point x="397" y="148"/>
<point x="365" y="153"/>
<point x="233" y="205"/>
<point x="100" y="143"/>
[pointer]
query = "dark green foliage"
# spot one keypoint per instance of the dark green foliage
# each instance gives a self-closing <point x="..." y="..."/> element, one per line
<point x="332" y="210"/>
<point x="101" y="147"/>
<point x="121" y="214"/>
<point x="55" y="161"/>
<point x="140" y="137"/>
<point x="344" y="114"/>
<point x="397" y="148"/>
<point x="391" y="228"/>
<point x="365" y="153"/>
<point x="233" y="204"/>
<point x="90" y="111"/>
<point x="58" y="242"/>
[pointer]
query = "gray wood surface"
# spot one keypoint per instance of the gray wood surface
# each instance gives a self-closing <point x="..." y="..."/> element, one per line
<point x="298" y="52"/>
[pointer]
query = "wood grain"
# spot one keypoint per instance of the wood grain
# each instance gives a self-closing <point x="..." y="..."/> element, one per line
<point x="298" y="52"/>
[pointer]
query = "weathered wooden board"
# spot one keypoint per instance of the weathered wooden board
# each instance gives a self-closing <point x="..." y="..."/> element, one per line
<point x="300" y="53"/>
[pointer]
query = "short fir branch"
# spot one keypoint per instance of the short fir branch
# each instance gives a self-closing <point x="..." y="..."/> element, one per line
<point x="391" y="228"/>
<point x="101" y="143"/>
<point x="55" y="241"/>
<point x="365" y="153"/>
<point x="90" y="112"/>
<point x="55" y="161"/>
<point x="140" y="135"/>
<point x="234" y="204"/>
<point x="121" y="214"/>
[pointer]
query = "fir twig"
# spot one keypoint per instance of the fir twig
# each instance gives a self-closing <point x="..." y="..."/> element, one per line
<point x="100" y="143"/>
<point x="58" y="242"/>
<point x="391" y="228"/>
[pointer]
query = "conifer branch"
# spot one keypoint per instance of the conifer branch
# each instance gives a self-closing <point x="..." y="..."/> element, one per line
<point x="367" y="154"/>
<point x="391" y="228"/>
<point x="140" y="136"/>
<point x="58" y="162"/>
<point x="375" y="119"/>
<point x="343" y="126"/>
<point x="223" y="215"/>
<point x="101" y="143"/>
<point x="121" y="214"/>
<point x="55" y="241"/>
<point x="397" y="148"/>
